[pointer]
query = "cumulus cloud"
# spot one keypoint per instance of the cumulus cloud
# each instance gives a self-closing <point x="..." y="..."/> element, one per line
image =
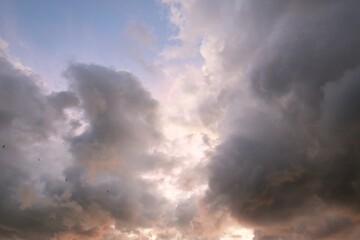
<point x="27" y="118"/>
<point x="284" y="76"/>
<point x="122" y="118"/>
<point x="84" y="184"/>
<point x="301" y="141"/>
<point x="270" y="121"/>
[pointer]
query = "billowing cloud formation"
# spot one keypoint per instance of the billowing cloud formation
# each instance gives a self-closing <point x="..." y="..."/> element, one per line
<point x="98" y="192"/>
<point x="26" y="115"/>
<point x="122" y="127"/>
<point x="122" y="118"/>
<point x="287" y="77"/>
<point x="274" y="114"/>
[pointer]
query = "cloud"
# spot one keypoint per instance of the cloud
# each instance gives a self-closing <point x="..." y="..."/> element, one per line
<point x="27" y="118"/>
<point x="284" y="76"/>
<point x="3" y="44"/>
<point x="273" y="114"/>
<point x="272" y="173"/>
<point x="57" y="183"/>
<point x="122" y="118"/>
<point x="141" y="42"/>
<point x="141" y="33"/>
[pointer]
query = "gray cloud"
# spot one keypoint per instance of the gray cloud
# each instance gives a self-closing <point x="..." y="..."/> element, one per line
<point x="63" y="100"/>
<point x="101" y="185"/>
<point x="291" y="129"/>
<point x="27" y="116"/>
<point x="122" y="118"/>
<point x="122" y="127"/>
<point x="285" y="74"/>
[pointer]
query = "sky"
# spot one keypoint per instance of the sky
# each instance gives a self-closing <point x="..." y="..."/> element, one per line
<point x="179" y="120"/>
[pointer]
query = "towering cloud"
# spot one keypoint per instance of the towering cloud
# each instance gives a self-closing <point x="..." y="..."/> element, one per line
<point x="291" y="132"/>
<point x="286" y="76"/>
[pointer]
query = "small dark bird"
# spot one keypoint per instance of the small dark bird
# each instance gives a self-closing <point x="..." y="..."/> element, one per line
<point x="66" y="179"/>
<point x="38" y="160"/>
<point x="107" y="191"/>
<point x="4" y="146"/>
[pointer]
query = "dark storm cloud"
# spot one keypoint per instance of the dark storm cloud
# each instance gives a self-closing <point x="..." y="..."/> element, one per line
<point x="296" y="147"/>
<point x="341" y="106"/>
